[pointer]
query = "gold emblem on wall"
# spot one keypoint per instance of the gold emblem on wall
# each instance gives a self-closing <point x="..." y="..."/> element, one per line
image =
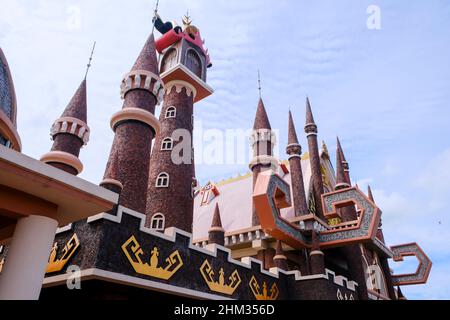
<point x="69" y="249"/>
<point x="264" y="294"/>
<point x="220" y="285"/>
<point x="133" y="251"/>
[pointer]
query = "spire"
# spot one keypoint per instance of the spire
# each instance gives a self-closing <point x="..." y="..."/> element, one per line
<point x="147" y="59"/>
<point x="77" y="107"/>
<point x="216" y="234"/>
<point x="341" y="180"/>
<point x="261" y="118"/>
<point x="309" y="115"/>
<point x="339" y="148"/>
<point x="88" y="66"/>
<point x="292" y="134"/>
<point x="369" y="193"/>
<point x="344" y="162"/>
<point x="280" y="259"/>
<point x="216" y="221"/>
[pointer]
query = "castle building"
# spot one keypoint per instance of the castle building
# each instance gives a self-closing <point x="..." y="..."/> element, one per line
<point x="291" y="228"/>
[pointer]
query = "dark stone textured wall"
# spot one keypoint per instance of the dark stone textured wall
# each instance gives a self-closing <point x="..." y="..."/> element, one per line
<point x="68" y="143"/>
<point x="175" y="202"/>
<point x="100" y="247"/>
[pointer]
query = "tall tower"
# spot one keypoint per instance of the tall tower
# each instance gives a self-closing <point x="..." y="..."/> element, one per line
<point x="262" y="141"/>
<point x="313" y="147"/>
<point x="70" y="133"/>
<point x="294" y="150"/>
<point x="135" y="126"/>
<point x="183" y="66"/>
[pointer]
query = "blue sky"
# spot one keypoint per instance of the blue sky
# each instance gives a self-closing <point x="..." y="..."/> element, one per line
<point x="384" y="92"/>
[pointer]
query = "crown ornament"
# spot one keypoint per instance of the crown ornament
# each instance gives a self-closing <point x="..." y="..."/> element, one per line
<point x="219" y="285"/>
<point x="263" y="294"/>
<point x="134" y="252"/>
<point x="55" y="264"/>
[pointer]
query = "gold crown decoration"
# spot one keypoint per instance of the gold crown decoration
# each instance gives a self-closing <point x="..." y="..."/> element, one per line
<point x="264" y="295"/>
<point x="54" y="264"/>
<point x="219" y="285"/>
<point x="187" y="25"/>
<point x="133" y="251"/>
<point x="334" y="221"/>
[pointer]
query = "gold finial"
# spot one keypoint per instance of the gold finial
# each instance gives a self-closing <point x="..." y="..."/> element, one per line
<point x="325" y="148"/>
<point x="187" y="19"/>
<point x="90" y="60"/>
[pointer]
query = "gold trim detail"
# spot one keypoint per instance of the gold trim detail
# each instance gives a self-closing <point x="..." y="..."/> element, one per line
<point x="219" y="285"/>
<point x="69" y="249"/>
<point x="264" y="295"/>
<point x="2" y="262"/>
<point x="334" y="221"/>
<point x="173" y="262"/>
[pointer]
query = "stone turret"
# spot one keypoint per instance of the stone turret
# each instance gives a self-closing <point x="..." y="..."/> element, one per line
<point x="313" y="147"/>
<point x="70" y="133"/>
<point x="171" y="183"/>
<point x="262" y="140"/>
<point x="294" y="150"/>
<point x="135" y="126"/>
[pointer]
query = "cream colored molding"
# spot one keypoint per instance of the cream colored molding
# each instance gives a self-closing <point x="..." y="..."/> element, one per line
<point x="264" y="160"/>
<point x="135" y="114"/>
<point x="180" y="84"/>
<point x="72" y="126"/>
<point x="142" y="79"/>
<point x="112" y="181"/>
<point x="63" y="157"/>
<point x="215" y="229"/>
<point x="316" y="252"/>
<point x="262" y="135"/>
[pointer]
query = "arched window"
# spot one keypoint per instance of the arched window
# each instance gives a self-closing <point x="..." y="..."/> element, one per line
<point x="163" y="180"/>
<point x="157" y="222"/>
<point x="194" y="63"/>
<point x="169" y="60"/>
<point x="167" y="144"/>
<point x="171" y="112"/>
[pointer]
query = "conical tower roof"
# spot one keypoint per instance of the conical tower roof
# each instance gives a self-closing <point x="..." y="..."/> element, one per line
<point x="369" y="193"/>
<point x="77" y="107"/>
<point x="261" y="118"/>
<point x="341" y="179"/>
<point x="147" y="59"/>
<point x="339" y="148"/>
<point x="292" y="134"/>
<point x="309" y="115"/>
<point x="216" y="221"/>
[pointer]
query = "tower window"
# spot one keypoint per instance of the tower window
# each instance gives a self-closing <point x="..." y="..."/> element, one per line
<point x="163" y="180"/>
<point x="194" y="63"/>
<point x="171" y="112"/>
<point x="157" y="222"/>
<point x="169" y="60"/>
<point x="167" y="144"/>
